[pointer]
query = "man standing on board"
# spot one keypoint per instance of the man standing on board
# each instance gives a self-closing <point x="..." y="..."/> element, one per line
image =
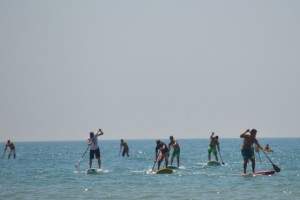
<point x="125" y="148"/>
<point x="248" y="149"/>
<point x="214" y="144"/>
<point x="12" y="149"/>
<point x="176" y="150"/>
<point x="94" y="148"/>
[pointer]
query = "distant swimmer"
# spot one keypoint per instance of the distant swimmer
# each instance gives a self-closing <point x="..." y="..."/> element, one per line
<point x="267" y="149"/>
<point x="125" y="148"/>
<point x="12" y="149"/>
<point x="94" y="148"/>
<point x="161" y="153"/>
<point x="213" y="145"/>
<point x="176" y="150"/>
<point x="248" y="149"/>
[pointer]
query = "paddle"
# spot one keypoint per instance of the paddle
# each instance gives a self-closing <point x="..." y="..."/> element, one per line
<point x="79" y="161"/>
<point x="277" y="169"/>
<point x="221" y="158"/>
<point x="259" y="156"/>
<point x="3" y="153"/>
<point x="155" y="160"/>
<point x="257" y="151"/>
<point x="120" y="151"/>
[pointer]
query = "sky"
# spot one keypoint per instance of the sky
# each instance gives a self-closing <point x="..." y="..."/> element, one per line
<point x="148" y="69"/>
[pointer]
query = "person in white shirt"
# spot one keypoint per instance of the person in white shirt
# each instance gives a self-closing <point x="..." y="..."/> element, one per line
<point x="94" y="148"/>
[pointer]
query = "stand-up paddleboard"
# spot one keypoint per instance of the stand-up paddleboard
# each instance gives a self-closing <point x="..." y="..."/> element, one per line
<point x="94" y="171"/>
<point x="172" y="167"/>
<point x="213" y="163"/>
<point x="267" y="172"/>
<point x="164" y="171"/>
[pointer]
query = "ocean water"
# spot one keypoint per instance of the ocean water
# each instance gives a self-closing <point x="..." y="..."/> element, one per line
<point x="45" y="170"/>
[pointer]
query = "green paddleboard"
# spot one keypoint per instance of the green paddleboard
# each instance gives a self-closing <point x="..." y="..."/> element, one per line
<point x="213" y="163"/>
<point x="164" y="171"/>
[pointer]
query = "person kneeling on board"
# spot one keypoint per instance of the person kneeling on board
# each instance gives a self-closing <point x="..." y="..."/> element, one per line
<point x="161" y="153"/>
<point x="94" y="148"/>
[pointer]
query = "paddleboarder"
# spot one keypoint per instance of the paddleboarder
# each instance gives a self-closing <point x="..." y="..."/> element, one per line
<point x="161" y="153"/>
<point x="248" y="149"/>
<point x="176" y="150"/>
<point x="267" y="149"/>
<point x="125" y="148"/>
<point x="12" y="147"/>
<point x="94" y="148"/>
<point x="213" y="145"/>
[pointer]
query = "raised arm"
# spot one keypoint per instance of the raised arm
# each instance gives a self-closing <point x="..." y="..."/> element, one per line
<point x="243" y="134"/>
<point x="100" y="132"/>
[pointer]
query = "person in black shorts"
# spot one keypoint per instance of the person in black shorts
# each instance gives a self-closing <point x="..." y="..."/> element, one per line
<point x="161" y="153"/>
<point x="94" y="148"/>
<point x="12" y="149"/>
<point x="125" y="148"/>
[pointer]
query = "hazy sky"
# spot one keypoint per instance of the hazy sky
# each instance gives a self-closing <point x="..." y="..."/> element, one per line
<point x="148" y="69"/>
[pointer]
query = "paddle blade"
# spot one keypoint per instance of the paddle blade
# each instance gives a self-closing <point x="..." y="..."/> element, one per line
<point x="78" y="164"/>
<point x="277" y="169"/>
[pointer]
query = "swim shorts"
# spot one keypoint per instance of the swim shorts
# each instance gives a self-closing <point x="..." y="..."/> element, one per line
<point x="95" y="153"/>
<point x="176" y="152"/>
<point x="248" y="154"/>
<point x="212" y="149"/>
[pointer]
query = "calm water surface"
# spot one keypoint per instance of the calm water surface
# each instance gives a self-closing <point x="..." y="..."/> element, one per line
<point x="45" y="170"/>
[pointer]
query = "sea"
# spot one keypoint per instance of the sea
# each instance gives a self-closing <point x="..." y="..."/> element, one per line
<point x="46" y="170"/>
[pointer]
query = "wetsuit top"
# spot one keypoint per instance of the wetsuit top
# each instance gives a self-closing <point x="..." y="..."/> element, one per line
<point x="125" y="145"/>
<point x="11" y="146"/>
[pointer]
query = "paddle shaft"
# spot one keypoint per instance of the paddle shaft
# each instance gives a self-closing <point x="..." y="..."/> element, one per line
<point x="155" y="160"/>
<point x="259" y="156"/>
<point x="221" y="158"/>
<point x="85" y="151"/>
<point x="3" y="153"/>
<point x="277" y="169"/>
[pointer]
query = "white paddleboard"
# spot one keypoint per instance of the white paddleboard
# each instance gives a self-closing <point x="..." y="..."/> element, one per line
<point x="94" y="171"/>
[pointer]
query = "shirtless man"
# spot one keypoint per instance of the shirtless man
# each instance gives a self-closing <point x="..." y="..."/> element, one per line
<point x="214" y="144"/>
<point x="248" y="149"/>
<point x="176" y="150"/>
